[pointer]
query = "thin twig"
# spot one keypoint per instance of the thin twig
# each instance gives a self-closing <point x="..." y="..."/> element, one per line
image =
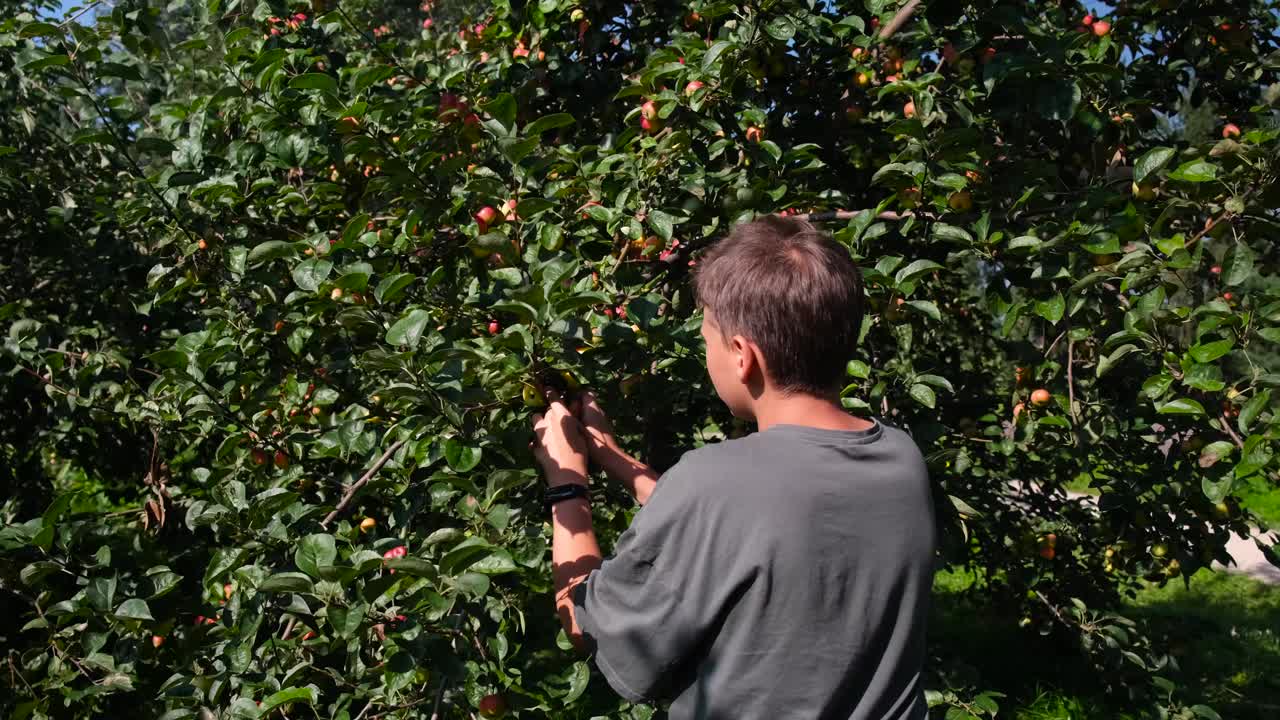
<point x="900" y="19"/>
<point x="849" y="215"/>
<point x="1226" y="425"/>
<point x="355" y="487"/>
<point x="68" y="21"/>
<point x="1071" y="383"/>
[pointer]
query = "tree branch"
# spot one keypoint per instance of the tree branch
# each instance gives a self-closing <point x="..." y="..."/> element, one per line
<point x="900" y="19"/>
<point x="355" y="487"/>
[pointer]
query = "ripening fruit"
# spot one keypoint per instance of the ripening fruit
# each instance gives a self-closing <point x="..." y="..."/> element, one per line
<point x="157" y="641"/>
<point x="1021" y="375"/>
<point x="570" y="382"/>
<point x="649" y="110"/>
<point x="1173" y="569"/>
<point x="368" y="524"/>
<point x="1143" y="191"/>
<point x="1216" y="269"/>
<point x="1159" y="550"/>
<point x="336" y="294"/>
<point x="650" y="125"/>
<point x="577" y="15"/>
<point x="909" y="110"/>
<point x="492" y="706"/>
<point x="348" y="124"/>
<point x="494" y="327"/>
<point x="1101" y="27"/>
<point x="909" y="197"/>
<point x="281" y="460"/>
<point x="693" y="87"/>
<point x="862" y="79"/>
<point x="854" y="112"/>
<point x="1040" y="397"/>
<point x="227" y="589"/>
<point x="754" y="134"/>
<point x="279" y="325"/>
<point x="485" y="217"/>
<point x="202" y="244"/>
<point x="532" y="398"/>
<point x="1230" y="130"/>
<point x="960" y="201"/>
<point x="1017" y="410"/>
<point x="259" y="456"/>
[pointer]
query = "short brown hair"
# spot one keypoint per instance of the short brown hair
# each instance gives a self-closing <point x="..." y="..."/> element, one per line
<point x="793" y="291"/>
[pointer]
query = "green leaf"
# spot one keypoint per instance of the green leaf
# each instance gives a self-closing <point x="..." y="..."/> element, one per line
<point x="549" y="122"/>
<point x="461" y="457"/>
<point x="309" y="695"/>
<point x="309" y="274"/>
<point x="1181" y="406"/>
<point x="1195" y="171"/>
<point x="782" y="28"/>
<point x="315" y="81"/>
<point x="1052" y="309"/>
<point x="1215" y="451"/>
<point x="269" y="250"/>
<point x="390" y="287"/>
<point x="1209" y="352"/>
<point x="1151" y="161"/>
<point x="416" y="567"/>
<point x="503" y="109"/>
<point x="922" y="394"/>
<point x="1239" y="267"/>
<point x="40" y="29"/>
<point x="134" y="609"/>
<point x="915" y="270"/>
<point x="287" y="582"/>
<point x="926" y="307"/>
<point x="662" y="224"/>
<point x="858" y="369"/>
<point x="315" y="551"/>
<point x="714" y="52"/>
<point x="1252" y="409"/>
<point x="408" y="329"/>
<point x="169" y="358"/>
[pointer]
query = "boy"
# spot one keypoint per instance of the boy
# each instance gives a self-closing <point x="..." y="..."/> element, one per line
<point x="785" y="574"/>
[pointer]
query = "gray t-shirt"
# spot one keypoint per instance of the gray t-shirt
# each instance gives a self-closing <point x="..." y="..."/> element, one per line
<point x="785" y="574"/>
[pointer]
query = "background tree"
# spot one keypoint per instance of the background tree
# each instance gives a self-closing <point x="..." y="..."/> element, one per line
<point x="282" y="277"/>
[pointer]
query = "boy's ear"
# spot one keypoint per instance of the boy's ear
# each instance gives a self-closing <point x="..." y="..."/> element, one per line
<point x="746" y="357"/>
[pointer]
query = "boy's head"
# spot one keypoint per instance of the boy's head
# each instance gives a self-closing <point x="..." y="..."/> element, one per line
<point x="782" y="309"/>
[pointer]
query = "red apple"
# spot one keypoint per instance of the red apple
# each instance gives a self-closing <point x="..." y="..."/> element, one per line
<point x="693" y="87"/>
<point x="909" y="110"/>
<point x="649" y="110"/>
<point x="1101" y="27"/>
<point x="492" y="706"/>
<point x="754" y="134"/>
<point x="157" y="641"/>
<point x="281" y="460"/>
<point x="494" y="327"/>
<point x="485" y="217"/>
<point x="1230" y="130"/>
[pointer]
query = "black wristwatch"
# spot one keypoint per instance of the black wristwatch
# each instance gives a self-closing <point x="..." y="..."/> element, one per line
<point x="566" y="491"/>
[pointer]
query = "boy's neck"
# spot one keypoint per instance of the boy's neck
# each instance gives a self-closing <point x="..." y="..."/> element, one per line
<point x="806" y="410"/>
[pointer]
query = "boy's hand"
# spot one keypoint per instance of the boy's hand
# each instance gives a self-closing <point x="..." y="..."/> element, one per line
<point x="559" y="445"/>
<point x="595" y="423"/>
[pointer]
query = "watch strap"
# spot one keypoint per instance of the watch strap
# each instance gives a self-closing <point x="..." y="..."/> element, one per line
<point x="566" y="492"/>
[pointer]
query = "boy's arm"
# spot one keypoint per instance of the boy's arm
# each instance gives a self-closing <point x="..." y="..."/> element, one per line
<point x="639" y="479"/>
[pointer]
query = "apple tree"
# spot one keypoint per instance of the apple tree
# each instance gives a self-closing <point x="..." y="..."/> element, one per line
<point x="283" y="278"/>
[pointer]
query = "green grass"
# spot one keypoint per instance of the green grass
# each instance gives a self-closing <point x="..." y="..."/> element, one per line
<point x="1224" y="631"/>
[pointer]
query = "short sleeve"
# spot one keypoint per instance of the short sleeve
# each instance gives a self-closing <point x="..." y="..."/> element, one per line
<point x="644" y="611"/>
